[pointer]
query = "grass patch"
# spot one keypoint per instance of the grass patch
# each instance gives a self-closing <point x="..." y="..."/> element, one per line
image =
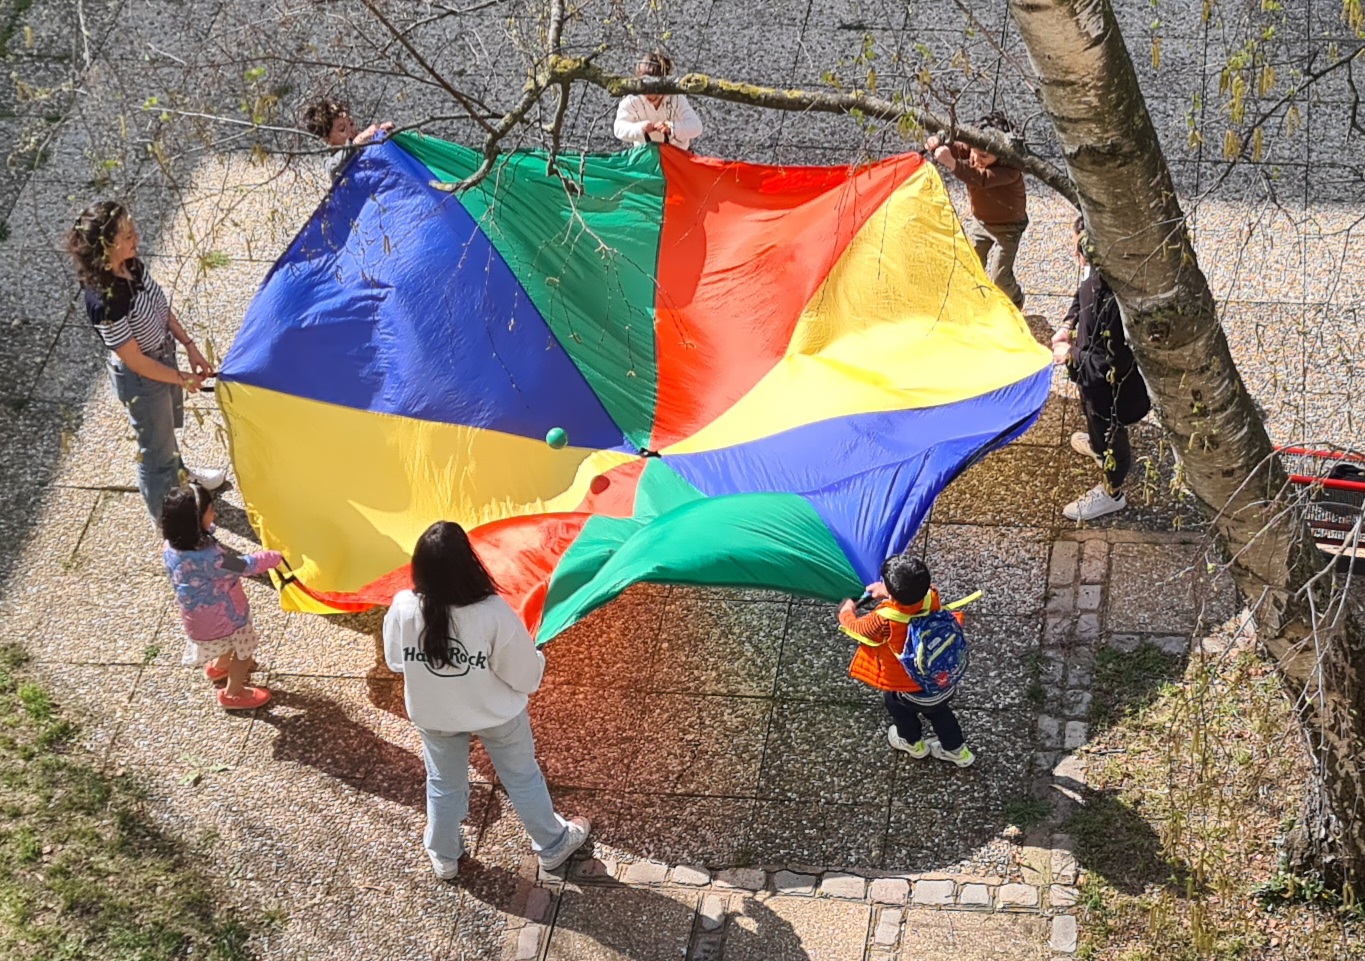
<point x="1024" y="812"/>
<point x="1190" y="787"/>
<point x="1127" y="681"/>
<point x="83" y="872"/>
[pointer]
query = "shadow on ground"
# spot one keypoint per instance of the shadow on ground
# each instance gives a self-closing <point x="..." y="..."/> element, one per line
<point x="720" y="728"/>
<point x="1115" y="842"/>
<point x="605" y="918"/>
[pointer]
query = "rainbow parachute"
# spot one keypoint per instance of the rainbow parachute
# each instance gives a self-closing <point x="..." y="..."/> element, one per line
<point x="765" y="374"/>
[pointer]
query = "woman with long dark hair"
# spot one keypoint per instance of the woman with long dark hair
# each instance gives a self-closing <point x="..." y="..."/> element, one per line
<point x="468" y="667"/>
<point x="134" y="319"/>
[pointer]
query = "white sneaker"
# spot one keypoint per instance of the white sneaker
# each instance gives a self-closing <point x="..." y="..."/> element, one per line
<point x="1094" y="503"/>
<point x="574" y="836"/>
<point x="445" y="870"/>
<point x="1080" y="443"/>
<point x="962" y="757"/>
<point x="210" y="480"/>
<point x="918" y="749"/>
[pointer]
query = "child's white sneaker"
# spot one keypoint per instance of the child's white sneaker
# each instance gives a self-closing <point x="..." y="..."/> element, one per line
<point x="574" y="835"/>
<point x="962" y="757"/>
<point x="918" y="749"/>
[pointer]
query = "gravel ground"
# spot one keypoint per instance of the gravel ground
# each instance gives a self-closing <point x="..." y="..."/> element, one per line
<point x="736" y="741"/>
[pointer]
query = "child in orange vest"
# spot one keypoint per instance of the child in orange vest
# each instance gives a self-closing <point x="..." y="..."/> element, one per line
<point x="904" y="591"/>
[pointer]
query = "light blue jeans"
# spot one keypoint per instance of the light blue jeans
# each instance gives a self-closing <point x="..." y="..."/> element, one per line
<point x="513" y="751"/>
<point x="155" y="410"/>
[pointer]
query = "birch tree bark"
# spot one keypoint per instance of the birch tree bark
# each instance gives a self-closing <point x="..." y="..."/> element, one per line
<point x="1141" y="245"/>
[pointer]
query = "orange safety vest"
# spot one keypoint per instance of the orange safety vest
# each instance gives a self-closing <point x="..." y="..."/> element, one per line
<point x="881" y="637"/>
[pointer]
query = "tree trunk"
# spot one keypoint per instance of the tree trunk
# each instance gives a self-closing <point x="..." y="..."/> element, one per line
<point x="1142" y="247"/>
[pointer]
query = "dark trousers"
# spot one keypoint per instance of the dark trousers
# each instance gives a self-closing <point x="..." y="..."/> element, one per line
<point x="906" y="714"/>
<point x="1109" y="439"/>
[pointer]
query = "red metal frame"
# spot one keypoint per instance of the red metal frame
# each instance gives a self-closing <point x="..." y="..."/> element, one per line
<point x="1331" y="483"/>
<point x="1329" y="520"/>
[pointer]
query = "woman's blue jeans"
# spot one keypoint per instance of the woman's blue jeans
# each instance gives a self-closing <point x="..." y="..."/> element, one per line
<point x="513" y="752"/>
<point x="155" y="410"/>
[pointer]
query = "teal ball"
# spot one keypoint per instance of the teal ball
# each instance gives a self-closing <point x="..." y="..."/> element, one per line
<point x="557" y="437"/>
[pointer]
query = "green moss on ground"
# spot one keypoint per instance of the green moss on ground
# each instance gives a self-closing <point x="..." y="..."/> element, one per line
<point x="83" y="871"/>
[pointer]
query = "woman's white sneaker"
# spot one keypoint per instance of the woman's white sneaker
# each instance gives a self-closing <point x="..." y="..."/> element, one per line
<point x="210" y="480"/>
<point x="574" y="835"/>
<point x="1094" y="503"/>
<point x="445" y="870"/>
<point x="1080" y="443"/>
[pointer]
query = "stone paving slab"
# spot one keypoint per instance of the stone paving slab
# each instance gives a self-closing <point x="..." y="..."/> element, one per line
<point x="797" y="929"/>
<point x="618" y="923"/>
<point x="1164" y="589"/>
<point x="933" y="936"/>
<point x="811" y="833"/>
<point x="815" y="659"/>
<point x="702" y="744"/>
<point x="1013" y="487"/>
<point x="1007" y="564"/>
<point x="595" y="653"/>
<point x="842" y="735"/>
<point x="1002" y="650"/>
<point x="680" y="829"/>
<point x="744" y="664"/>
<point x="599" y="755"/>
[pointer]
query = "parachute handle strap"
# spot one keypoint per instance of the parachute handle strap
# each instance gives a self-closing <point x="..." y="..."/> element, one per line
<point x="283" y="578"/>
<point x="958" y="604"/>
<point x="964" y="601"/>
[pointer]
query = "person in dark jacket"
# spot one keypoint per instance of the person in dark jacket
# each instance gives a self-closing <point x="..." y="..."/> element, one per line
<point x="1091" y="343"/>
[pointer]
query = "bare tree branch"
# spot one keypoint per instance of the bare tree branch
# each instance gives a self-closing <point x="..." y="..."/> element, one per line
<point x="459" y="95"/>
<point x="1293" y="94"/>
<point x="561" y="71"/>
<point x="557" y="126"/>
<point x="492" y="145"/>
<point x="989" y="37"/>
<point x="558" y="14"/>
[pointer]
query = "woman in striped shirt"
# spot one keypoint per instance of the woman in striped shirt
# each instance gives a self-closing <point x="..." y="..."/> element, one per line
<point x="134" y="318"/>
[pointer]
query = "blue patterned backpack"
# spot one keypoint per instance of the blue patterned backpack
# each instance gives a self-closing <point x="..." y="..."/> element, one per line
<point x="935" y="656"/>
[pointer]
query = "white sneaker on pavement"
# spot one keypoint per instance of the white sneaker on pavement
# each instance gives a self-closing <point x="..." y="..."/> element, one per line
<point x="574" y="836"/>
<point x="918" y="749"/>
<point x="208" y="479"/>
<point x="962" y="757"/>
<point x="445" y="870"/>
<point x="1080" y="443"/>
<point x="1094" y="503"/>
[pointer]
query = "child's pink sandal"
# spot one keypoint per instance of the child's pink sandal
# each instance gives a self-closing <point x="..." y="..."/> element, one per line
<point x="250" y="698"/>
<point x="216" y="674"/>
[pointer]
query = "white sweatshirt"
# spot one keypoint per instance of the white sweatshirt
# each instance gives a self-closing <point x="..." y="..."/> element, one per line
<point x="635" y="111"/>
<point x="494" y="666"/>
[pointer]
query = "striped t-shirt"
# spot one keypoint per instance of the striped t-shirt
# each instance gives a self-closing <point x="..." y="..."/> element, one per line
<point x="127" y="310"/>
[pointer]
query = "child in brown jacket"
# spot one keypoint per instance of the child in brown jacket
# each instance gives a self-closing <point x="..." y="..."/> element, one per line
<point x="999" y="202"/>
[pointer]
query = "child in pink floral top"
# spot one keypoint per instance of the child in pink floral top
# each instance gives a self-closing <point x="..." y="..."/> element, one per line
<point x="213" y="608"/>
